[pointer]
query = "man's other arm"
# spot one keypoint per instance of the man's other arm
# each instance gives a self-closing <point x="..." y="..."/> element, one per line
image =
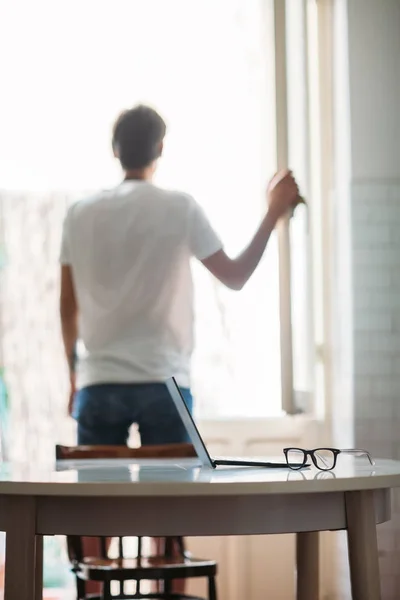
<point x="69" y="322"/>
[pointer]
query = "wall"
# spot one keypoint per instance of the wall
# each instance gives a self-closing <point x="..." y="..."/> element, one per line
<point x="373" y="29"/>
<point x="376" y="263"/>
<point x="374" y="70"/>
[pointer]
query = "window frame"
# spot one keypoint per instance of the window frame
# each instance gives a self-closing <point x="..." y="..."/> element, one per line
<point x="317" y="19"/>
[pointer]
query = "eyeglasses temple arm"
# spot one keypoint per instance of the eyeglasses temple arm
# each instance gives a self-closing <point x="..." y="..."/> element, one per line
<point x="359" y="452"/>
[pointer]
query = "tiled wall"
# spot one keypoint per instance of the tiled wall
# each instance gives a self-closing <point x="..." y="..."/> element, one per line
<point x="376" y="283"/>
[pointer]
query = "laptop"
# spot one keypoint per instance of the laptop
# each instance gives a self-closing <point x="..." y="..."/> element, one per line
<point x="198" y="441"/>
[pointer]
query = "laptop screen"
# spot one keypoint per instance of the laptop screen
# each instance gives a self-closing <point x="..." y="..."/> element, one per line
<point x="189" y="423"/>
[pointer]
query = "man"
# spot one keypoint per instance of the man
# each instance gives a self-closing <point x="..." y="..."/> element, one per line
<point x="126" y="288"/>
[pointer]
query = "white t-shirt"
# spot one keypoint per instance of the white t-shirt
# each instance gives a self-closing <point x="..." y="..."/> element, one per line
<point x="129" y="249"/>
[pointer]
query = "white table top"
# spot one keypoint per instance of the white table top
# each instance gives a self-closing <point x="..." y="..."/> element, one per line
<point x="186" y="478"/>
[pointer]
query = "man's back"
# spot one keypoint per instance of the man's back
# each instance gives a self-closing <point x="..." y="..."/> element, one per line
<point x="129" y="250"/>
<point x="126" y="288"/>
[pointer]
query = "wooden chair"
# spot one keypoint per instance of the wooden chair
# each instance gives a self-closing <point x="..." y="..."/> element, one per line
<point x="173" y="563"/>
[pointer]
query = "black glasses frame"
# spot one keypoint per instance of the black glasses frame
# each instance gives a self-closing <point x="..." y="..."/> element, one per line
<point x="313" y="454"/>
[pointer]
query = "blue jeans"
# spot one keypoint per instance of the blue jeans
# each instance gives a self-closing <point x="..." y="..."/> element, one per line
<point x="105" y="413"/>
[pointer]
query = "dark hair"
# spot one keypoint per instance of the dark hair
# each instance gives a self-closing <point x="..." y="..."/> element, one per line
<point x="137" y="136"/>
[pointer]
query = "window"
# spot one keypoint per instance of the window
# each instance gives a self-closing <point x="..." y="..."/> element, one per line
<point x="209" y="68"/>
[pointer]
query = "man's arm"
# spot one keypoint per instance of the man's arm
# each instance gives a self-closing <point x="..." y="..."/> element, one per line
<point x="283" y="195"/>
<point x="235" y="272"/>
<point x="69" y="316"/>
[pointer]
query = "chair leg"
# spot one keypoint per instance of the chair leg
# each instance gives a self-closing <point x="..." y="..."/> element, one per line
<point x="106" y="591"/>
<point x="167" y="588"/>
<point x="80" y="589"/>
<point x="212" y="589"/>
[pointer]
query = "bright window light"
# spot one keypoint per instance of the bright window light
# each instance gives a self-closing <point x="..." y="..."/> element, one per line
<point x="207" y="67"/>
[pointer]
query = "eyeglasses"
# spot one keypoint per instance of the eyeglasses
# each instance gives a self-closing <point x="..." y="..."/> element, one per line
<point x="323" y="458"/>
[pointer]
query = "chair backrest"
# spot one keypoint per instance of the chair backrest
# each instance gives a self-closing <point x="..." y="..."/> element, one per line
<point x="93" y="452"/>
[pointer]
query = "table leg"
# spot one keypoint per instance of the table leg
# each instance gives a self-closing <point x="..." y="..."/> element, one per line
<point x="307" y="560"/>
<point x="39" y="567"/>
<point x="20" y="548"/>
<point x="362" y="545"/>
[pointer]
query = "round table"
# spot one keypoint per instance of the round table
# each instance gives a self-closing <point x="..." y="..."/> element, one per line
<point x="165" y="497"/>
